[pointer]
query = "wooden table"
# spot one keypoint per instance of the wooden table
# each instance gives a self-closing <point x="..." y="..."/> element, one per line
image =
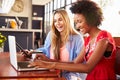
<point x="7" y="72"/>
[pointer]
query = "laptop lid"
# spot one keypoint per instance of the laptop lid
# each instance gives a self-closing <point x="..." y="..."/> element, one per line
<point x="19" y="66"/>
<point x="12" y="50"/>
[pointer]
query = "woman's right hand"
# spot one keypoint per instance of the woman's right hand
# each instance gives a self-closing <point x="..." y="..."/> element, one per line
<point x="26" y="53"/>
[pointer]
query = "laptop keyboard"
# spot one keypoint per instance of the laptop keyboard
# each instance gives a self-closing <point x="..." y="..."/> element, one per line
<point x="24" y="65"/>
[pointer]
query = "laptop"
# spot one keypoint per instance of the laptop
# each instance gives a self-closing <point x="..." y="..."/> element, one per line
<point x="18" y="65"/>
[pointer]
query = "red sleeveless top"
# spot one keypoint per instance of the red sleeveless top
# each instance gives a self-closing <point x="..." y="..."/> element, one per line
<point x="104" y="70"/>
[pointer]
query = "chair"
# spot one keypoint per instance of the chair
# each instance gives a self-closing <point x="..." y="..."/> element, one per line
<point x="117" y="64"/>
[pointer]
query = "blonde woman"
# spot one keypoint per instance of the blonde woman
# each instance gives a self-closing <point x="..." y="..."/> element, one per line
<point x="63" y="43"/>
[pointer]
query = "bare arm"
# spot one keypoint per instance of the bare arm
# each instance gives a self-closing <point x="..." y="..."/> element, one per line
<point x="91" y="63"/>
<point x="78" y="67"/>
<point x="80" y="57"/>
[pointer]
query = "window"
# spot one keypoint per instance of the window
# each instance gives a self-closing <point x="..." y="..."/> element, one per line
<point x="59" y="3"/>
<point x="51" y="6"/>
<point x="62" y="3"/>
<point x="55" y="4"/>
<point x="68" y="2"/>
<point x="74" y="1"/>
<point x="70" y="14"/>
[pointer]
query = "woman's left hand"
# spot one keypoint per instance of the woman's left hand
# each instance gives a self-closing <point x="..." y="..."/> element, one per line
<point x="42" y="64"/>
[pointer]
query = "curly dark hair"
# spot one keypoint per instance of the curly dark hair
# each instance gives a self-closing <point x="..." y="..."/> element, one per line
<point x="90" y="10"/>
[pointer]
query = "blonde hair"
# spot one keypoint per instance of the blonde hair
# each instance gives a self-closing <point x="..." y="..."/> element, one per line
<point x="57" y="40"/>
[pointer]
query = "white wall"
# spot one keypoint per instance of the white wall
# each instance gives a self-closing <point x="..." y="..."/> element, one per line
<point x="27" y="12"/>
<point x="111" y="12"/>
<point x="112" y="18"/>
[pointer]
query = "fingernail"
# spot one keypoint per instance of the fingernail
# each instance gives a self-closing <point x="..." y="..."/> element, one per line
<point x="29" y="66"/>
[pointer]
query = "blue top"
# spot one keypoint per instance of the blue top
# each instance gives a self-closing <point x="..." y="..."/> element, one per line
<point x="74" y="46"/>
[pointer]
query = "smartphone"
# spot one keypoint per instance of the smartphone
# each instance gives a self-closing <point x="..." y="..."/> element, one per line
<point x="24" y="52"/>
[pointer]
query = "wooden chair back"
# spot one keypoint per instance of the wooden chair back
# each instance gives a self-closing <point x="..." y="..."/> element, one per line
<point x="117" y="64"/>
